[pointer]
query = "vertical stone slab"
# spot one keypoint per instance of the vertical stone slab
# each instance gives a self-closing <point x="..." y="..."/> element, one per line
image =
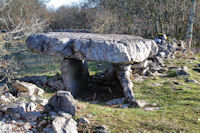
<point x="75" y="75"/>
<point x="123" y="74"/>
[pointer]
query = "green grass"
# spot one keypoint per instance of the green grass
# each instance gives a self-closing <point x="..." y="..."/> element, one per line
<point x="179" y="106"/>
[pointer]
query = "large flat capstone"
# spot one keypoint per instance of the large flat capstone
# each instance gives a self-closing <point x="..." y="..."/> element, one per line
<point x="113" y="48"/>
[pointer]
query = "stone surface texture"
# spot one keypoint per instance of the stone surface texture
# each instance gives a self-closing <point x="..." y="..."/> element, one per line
<point x="118" y="49"/>
<point x="27" y="87"/>
<point x="63" y="125"/>
<point x="62" y="101"/>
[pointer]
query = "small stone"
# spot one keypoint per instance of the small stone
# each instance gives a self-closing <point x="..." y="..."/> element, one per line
<point x="194" y="58"/>
<point x="115" y="101"/>
<point x="176" y="83"/>
<point x="62" y="125"/>
<point x="175" y="89"/>
<point x="156" y="84"/>
<point x="13" y="122"/>
<point x="53" y="114"/>
<point x="196" y="69"/>
<point x="30" y="107"/>
<point x="34" y="130"/>
<point x="182" y="73"/>
<point x="161" y="54"/>
<point x="42" y="123"/>
<point x="48" y="130"/>
<point x="31" y="116"/>
<point x="102" y="129"/>
<point x="4" y="120"/>
<point x="142" y="103"/>
<point x="185" y="68"/>
<point x="84" y="121"/>
<point x="154" y="104"/>
<point x="4" y="100"/>
<point x="191" y="81"/>
<point x="27" y="126"/>
<point x="33" y="123"/>
<point x="140" y="65"/>
<point x="16" y="116"/>
<point x="66" y="115"/>
<point x="151" y="108"/>
<point x="17" y="108"/>
<point x="41" y="101"/>
<point x="124" y="106"/>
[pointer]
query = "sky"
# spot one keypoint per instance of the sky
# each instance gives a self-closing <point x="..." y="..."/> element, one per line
<point x="58" y="3"/>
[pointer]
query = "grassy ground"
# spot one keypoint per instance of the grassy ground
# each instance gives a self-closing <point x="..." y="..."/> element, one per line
<point x="179" y="105"/>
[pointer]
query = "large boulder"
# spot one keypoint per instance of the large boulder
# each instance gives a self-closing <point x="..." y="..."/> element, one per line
<point x="63" y="125"/>
<point x="113" y="48"/>
<point x="27" y="87"/>
<point x="62" y="101"/>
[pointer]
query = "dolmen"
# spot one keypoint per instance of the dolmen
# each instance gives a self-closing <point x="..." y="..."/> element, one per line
<point x="78" y="48"/>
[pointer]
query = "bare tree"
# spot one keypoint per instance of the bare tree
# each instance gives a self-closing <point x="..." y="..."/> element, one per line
<point x="191" y="23"/>
<point x="20" y="18"/>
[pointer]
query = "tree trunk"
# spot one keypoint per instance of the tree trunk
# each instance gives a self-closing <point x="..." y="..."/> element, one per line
<point x="191" y="23"/>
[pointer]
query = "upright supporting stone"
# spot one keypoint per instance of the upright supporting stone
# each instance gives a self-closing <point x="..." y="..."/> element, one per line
<point x="123" y="74"/>
<point x="75" y="75"/>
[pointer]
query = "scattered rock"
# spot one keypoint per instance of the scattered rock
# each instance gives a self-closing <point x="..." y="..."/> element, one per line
<point x="151" y="108"/>
<point x="137" y="77"/>
<point x="176" y="83"/>
<point x="48" y="129"/>
<point x="142" y="103"/>
<point x="30" y="107"/>
<point x="19" y="108"/>
<point x="115" y="101"/>
<point x="191" y="80"/>
<point x="53" y="114"/>
<point x="156" y="84"/>
<point x="196" y="69"/>
<point x="41" y="101"/>
<point x="182" y="73"/>
<point x="140" y="65"/>
<point x="42" y="123"/>
<point x="63" y="125"/>
<point x="27" y="87"/>
<point x="38" y="80"/>
<point x="102" y="129"/>
<point x="62" y="101"/>
<point x="124" y="106"/>
<point x="6" y="128"/>
<point x="16" y="116"/>
<point x="65" y="115"/>
<point x="175" y="89"/>
<point x="4" y="100"/>
<point x="84" y="121"/>
<point x="194" y="58"/>
<point x="27" y="126"/>
<point x="56" y="84"/>
<point x="31" y="116"/>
